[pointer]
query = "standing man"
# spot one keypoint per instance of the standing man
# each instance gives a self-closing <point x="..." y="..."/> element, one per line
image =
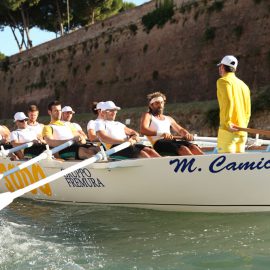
<point x="234" y="104"/>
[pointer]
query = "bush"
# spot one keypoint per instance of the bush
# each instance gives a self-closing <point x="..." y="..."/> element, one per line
<point x="133" y="28"/>
<point x="238" y="31"/>
<point x="159" y="16"/>
<point x="210" y="33"/>
<point x="216" y="6"/>
<point x="261" y="101"/>
<point x="2" y="56"/>
<point x="155" y="75"/>
<point x="212" y="118"/>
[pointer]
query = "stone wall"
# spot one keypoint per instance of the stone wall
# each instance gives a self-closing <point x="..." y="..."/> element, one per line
<point x="118" y="60"/>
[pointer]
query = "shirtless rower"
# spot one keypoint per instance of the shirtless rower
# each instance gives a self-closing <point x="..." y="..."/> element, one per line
<point x="112" y="133"/>
<point x="156" y="126"/>
<point x="59" y="132"/>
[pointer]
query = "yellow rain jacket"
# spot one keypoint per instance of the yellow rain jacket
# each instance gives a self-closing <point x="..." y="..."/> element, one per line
<point x="234" y="102"/>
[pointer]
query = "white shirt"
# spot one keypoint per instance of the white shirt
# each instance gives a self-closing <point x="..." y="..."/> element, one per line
<point x="37" y="128"/>
<point x="23" y="135"/>
<point x="114" y="129"/>
<point x="74" y="125"/>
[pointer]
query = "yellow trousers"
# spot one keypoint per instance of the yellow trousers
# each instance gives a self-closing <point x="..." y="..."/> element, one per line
<point x="229" y="142"/>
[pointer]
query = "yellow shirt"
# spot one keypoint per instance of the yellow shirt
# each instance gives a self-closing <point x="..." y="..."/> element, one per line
<point x="48" y="130"/>
<point x="234" y="102"/>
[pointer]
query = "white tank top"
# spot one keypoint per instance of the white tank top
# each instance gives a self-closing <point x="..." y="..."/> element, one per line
<point x="62" y="132"/>
<point x="161" y="126"/>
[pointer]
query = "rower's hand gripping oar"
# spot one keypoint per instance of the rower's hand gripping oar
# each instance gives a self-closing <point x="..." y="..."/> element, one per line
<point x="44" y="155"/>
<point x="8" y="197"/>
<point x="5" y="153"/>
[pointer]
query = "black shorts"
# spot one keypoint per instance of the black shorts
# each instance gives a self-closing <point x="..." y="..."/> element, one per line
<point x="35" y="150"/>
<point x="6" y="146"/>
<point x="170" y="147"/>
<point x="73" y="151"/>
<point x="132" y="151"/>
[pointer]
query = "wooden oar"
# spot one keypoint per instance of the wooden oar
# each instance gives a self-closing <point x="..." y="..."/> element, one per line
<point x="43" y="155"/>
<point x="8" y="197"/>
<point x="254" y="131"/>
<point x="5" y="153"/>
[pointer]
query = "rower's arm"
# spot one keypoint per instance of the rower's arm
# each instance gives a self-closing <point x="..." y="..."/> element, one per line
<point x="92" y="135"/>
<point x="105" y="138"/>
<point x="48" y="137"/>
<point x="180" y="130"/>
<point x="144" y="126"/>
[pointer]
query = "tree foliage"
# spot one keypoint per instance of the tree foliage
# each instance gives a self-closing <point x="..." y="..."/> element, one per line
<point x="58" y="16"/>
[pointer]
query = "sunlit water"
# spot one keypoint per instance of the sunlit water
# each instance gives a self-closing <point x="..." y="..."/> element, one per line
<point x="47" y="236"/>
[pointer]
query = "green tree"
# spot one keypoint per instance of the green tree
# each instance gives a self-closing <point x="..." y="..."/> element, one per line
<point x="17" y="15"/>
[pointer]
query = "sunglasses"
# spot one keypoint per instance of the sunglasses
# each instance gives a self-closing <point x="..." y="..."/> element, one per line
<point x="21" y="121"/>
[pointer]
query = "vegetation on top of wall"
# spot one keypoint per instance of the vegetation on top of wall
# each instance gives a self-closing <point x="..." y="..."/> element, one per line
<point x="159" y="16"/>
<point x="5" y="64"/>
<point x="2" y="56"/>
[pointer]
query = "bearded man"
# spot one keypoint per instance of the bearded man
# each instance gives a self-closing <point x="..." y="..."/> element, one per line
<point x="157" y="127"/>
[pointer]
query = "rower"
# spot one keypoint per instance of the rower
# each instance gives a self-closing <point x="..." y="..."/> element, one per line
<point x="67" y="114"/>
<point x="96" y="109"/>
<point x="156" y="126"/>
<point x="32" y="122"/>
<point x="4" y="134"/>
<point x="59" y="132"/>
<point x="24" y="135"/>
<point x="113" y="133"/>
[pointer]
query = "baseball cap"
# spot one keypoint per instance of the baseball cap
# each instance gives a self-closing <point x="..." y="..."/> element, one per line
<point x="109" y="105"/>
<point x="100" y="105"/>
<point x="67" y="109"/>
<point x="229" y="60"/>
<point x="18" y="116"/>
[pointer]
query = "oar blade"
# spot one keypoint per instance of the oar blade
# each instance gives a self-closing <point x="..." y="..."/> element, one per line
<point x="5" y="199"/>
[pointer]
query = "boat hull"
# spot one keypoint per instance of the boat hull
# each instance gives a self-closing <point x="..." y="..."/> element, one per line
<point x="208" y="183"/>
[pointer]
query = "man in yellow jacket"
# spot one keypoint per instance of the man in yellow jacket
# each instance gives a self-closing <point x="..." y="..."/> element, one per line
<point x="234" y="104"/>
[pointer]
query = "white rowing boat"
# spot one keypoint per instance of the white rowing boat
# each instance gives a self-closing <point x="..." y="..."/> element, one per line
<point x="208" y="183"/>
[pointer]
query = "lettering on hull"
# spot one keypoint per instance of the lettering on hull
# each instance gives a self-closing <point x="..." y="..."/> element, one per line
<point x="83" y="178"/>
<point x="25" y="177"/>
<point x="219" y="164"/>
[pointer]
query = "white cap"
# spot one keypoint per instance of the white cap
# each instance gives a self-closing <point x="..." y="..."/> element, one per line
<point x="109" y="105"/>
<point x="18" y="116"/>
<point x="67" y="109"/>
<point x="229" y="60"/>
<point x="99" y="105"/>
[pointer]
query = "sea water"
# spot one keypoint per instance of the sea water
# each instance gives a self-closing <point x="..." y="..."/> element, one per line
<point x="49" y="236"/>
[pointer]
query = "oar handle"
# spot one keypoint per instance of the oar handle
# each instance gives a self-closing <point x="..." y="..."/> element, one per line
<point x="17" y="148"/>
<point x="255" y="131"/>
<point x="61" y="147"/>
<point x="44" y="155"/>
